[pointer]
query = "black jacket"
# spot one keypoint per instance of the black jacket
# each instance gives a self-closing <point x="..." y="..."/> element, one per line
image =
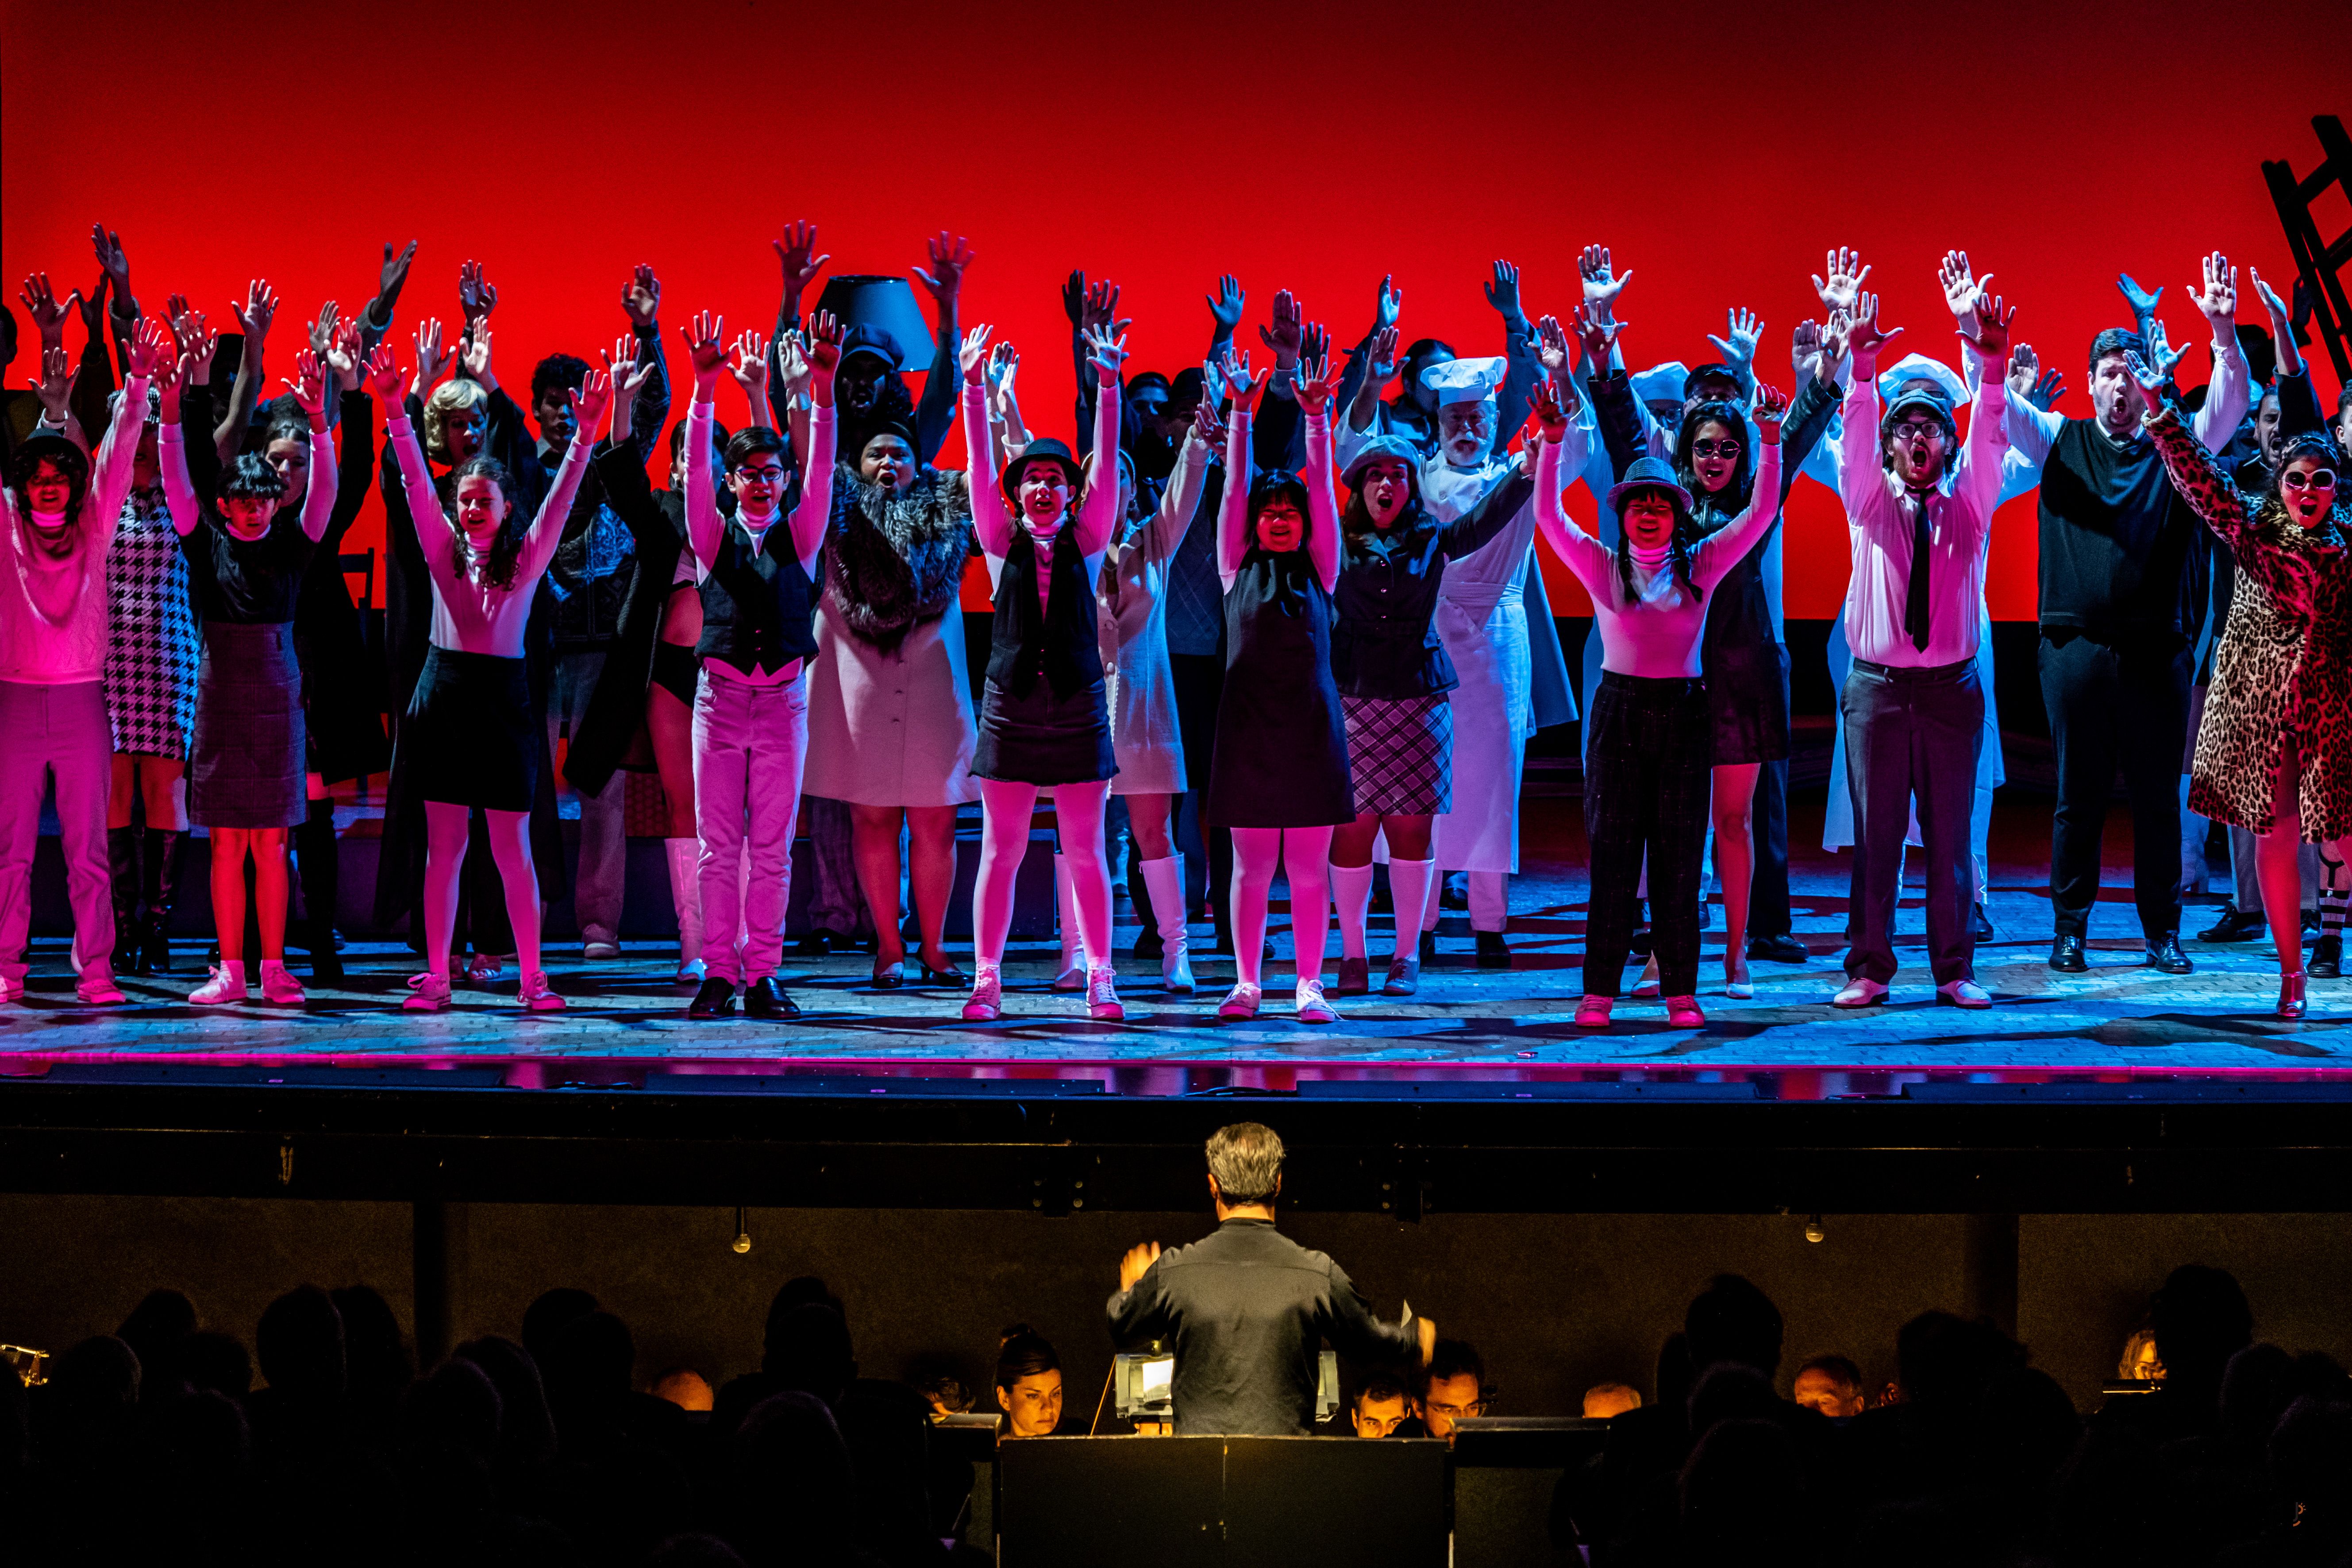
<point x="657" y="521"/>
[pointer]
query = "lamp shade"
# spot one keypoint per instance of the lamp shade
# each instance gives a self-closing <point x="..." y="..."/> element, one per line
<point x="879" y="311"/>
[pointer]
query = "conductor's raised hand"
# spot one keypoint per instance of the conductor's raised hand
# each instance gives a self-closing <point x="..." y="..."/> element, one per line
<point x="1138" y="1259"/>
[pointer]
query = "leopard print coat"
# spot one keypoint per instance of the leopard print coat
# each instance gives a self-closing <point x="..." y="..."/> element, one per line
<point x="2283" y="670"/>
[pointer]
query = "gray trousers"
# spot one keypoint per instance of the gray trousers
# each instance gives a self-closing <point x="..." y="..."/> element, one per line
<point x="599" y="882"/>
<point x="1912" y="734"/>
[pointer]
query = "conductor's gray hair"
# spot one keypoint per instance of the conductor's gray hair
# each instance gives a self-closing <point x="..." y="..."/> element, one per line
<point x="1246" y="1160"/>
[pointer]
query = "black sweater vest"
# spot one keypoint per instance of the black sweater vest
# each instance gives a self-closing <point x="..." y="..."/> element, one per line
<point x="2115" y="538"/>
<point x="1062" y="643"/>
<point x="758" y="605"/>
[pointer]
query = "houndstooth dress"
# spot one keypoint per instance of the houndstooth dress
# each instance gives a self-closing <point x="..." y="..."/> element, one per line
<point x="151" y="647"/>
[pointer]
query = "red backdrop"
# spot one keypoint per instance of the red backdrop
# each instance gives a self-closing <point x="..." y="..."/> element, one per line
<point x="1719" y="150"/>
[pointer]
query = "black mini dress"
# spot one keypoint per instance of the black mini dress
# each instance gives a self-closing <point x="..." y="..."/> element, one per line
<point x="1281" y="757"/>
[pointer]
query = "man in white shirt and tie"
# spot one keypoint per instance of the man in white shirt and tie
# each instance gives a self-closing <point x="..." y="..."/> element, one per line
<point x="1919" y="508"/>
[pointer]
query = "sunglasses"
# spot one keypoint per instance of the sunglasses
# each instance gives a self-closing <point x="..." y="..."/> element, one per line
<point x="1707" y="448"/>
<point x="2317" y="479"/>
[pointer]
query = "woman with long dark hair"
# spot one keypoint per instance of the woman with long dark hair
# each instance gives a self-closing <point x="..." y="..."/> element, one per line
<point x="473" y="737"/>
<point x="1044" y="718"/>
<point x="2274" y="750"/>
<point x="1645" y="783"/>
<point x="1279" y="777"/>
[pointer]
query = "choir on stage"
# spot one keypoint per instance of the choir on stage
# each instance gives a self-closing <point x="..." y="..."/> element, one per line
<point x="1288" y="612"/>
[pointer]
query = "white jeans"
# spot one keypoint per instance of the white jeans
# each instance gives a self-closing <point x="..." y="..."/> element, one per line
<point x="749" y="745"/>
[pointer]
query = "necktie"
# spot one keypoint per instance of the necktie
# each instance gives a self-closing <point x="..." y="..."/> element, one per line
<point x="1915" y="597"/>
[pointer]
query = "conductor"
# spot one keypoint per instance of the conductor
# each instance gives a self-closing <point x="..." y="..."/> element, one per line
<point x="1247" y="1308"/>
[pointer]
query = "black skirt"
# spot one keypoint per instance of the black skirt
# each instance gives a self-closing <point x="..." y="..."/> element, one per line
<point x="1042" y="739"/>
<point x="244" y="770"/>
<point x="471" y="736"/>
<point x="1746" y="700"/>
<point x="1281" y="757"/>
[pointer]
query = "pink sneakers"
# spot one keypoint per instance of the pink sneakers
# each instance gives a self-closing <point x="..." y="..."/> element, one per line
<point x="226" y="985"/>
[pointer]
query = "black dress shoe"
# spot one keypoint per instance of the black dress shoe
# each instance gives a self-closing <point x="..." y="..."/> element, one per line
<point x="766" y="999"/>
<point x="2066" y="956"/>
<point x="2235" y="925"/>
<point x="1494" y="952"/>
<point x="2326" y="960"/>
<point x="1984" y="929"/>
<point x="1782" y="948"/>
<point x="715" y="1000"/>
<point x="818" y="943"/>
<point x="2164" y="952"/>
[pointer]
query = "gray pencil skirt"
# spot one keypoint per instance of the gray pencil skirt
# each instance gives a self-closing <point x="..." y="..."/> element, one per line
<point x="245" y="767"/>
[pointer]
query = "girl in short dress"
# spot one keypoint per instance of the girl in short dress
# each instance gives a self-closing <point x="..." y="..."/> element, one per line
<point x="1279" y="777"/>
<point x="1045" y="718"/>
<point x="473" y="737"/>
<point x="245" y="564"/>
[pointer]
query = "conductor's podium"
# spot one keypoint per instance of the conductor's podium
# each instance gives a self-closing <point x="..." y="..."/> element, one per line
<point x="1275" y="1503"/>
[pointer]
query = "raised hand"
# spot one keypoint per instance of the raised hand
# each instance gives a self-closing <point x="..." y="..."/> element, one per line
<point x="179" y="312"/>
<point x="2219" y="297"/>
<point x="196" y="343"/>
<point x="973" y="354"/>
<point x="796" y="254"/>
<point x="165" y="378"/>
<point x="2282" y="319"/>
<point x="1805" y="348"/>
<point x="1961" y="287"/>
<point x="792" y="366"/>
<point x="476" y="295"/>
<point x="705" y="348"/>
<point x="1837" y="341"/>
<point x="949" y="257"/>
<point x="1225" y="304"/>
<point x="1503" y="293"/>
<point x="620" y="363"/>
<point x="1100" y="308"/>
<point x="150" y="345"/>
<point x="1551" y="414"/>
<point x="1598" y="335"/>
<point x="593" y="395"/>
<point x="1842" y="287"/>
<point x="824" y="335"/>
<point x="111" y="260"/>
<point x="748" y="363"/>
<point x="1106" y="350"/>
<point x="323" y="328"/>
<point x="1867" y="339"/>
<point x="475" y="354"/>
<point x="1991" y="320"/>
<point x="2029" y="381"/>
<point x="1318" y="380"/>
<point x="1283" y="336"/>
<point x="343" y="356"/>
<point x="393" y="277"/>
<point x="261" y="309"/>
<point x="1003" y="365"/>
<point x="431" y="363"/>
<point x="2150" y="379"/>
<point x="54" y="386"/>
<point x="308" y="383"/>
<point x="1207" y="428"/>
<point x="2142" y="302"/>
<point x="1388" y="303"/>
<point x="1771" y="408"/>
<point x="1380" y="363"/>
<point x="1073" y="299"/>
<point x="384" y="376"/>
<point x="1244" y="387"/>
<point x="94" y="309"/>
<point x="1552" y="347"/>
<point x="2161" y="355"/>
<point x="1601" y="285"/>
<point x="641" y="299"/>
<point x="1314" y="341"/>
<point x="1744" y="329"/>
<point x="40" y="302"/>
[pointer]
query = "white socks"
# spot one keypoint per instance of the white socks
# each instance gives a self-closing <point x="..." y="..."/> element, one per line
<point x="1411" y="883"/>
<point x="1351" y="891"/>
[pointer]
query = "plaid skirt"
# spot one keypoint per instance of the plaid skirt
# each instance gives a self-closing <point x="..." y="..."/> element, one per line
<point x="1400" y="752"/>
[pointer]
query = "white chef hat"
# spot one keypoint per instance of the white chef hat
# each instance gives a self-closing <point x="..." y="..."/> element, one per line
<point x="1465" y="380"/>
<point x="1919" y="367"/>
<point x="1660" y="382"/>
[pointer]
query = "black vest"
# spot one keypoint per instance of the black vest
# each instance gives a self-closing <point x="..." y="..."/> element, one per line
<point x="758" y="605"/>
<point x="1062" y="643"/>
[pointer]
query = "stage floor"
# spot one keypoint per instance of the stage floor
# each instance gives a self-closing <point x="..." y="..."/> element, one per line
<point x="2120" y="1020"/>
